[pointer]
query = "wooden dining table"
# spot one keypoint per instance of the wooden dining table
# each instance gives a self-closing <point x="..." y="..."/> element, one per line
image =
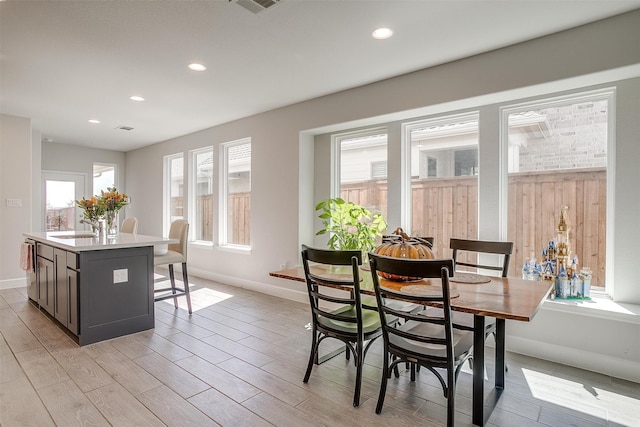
<point x="509" y="298"/>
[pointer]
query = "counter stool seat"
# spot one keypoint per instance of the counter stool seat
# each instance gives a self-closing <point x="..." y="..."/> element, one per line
<point x="175" y="254"/>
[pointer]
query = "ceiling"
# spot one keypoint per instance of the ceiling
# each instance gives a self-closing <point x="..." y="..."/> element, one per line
<point x="65" y="62"/>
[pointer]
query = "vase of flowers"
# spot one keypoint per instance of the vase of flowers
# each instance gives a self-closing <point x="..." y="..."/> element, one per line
<point x="92" y="212"/>
<point x="111" y="202"/>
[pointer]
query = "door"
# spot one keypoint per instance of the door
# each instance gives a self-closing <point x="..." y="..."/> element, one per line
<point x="60" y="191"/>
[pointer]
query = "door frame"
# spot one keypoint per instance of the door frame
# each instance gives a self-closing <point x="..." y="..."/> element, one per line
<point x="79" y="178"/>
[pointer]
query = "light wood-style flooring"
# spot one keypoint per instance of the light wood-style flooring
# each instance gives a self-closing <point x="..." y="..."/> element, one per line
<point x="239" y="360"/>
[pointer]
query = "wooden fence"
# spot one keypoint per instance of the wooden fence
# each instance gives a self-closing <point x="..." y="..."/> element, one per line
<point x="447" y="207"/>
<point x="535" y="201"/>
<point x="238" y="220"/>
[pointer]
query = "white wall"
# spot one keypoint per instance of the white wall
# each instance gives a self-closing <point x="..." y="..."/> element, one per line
<point x="15" y="183"/>
<point x="73" y="158"/>
<point x="284" y="190"/>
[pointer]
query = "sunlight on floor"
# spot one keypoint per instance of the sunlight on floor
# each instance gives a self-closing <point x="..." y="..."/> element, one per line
<point x="589" y="398"/>
<point x="200" y="297"/>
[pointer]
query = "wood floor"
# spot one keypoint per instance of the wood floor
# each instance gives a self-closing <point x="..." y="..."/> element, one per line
<point x="239" y="360"/>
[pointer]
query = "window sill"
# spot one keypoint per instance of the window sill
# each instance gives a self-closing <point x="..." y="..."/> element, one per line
<point x="201" y="244"/>
<point x="600" y="306"/>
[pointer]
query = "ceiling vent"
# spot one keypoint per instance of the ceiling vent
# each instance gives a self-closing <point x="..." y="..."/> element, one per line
<point x="256" y="6"/>
<point x="123" y="127"/>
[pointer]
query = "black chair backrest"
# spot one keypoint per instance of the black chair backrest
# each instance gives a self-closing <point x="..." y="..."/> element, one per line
<point x="482" y="246"/>
<point x="319" y="282"/>
<point x="428" y="269"/>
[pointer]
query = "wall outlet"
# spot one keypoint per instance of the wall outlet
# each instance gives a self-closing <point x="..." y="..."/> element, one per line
<point x="120" y="276"/>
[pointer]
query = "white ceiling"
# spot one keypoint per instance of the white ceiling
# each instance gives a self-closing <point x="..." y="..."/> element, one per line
<point x="64" y="62"/>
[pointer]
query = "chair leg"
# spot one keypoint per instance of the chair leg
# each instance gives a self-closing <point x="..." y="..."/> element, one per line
<point x="173" y="285"/>
<point x="186" y="285"/>
<point x="451" y="398"/>
<point x="359" y="362"/>
<point x="396" y="372"/>
<point x="313" y="356"/>
<point x="383" y="383"/>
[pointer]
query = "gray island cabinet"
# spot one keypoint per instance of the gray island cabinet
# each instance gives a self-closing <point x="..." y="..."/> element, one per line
<point x="96" y="287"/>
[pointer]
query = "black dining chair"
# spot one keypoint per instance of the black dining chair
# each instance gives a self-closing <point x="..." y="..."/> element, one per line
<point x="426" y="340"/>
<point x="350" y="322"/>
<point x="471" y="250"/>
<point x="405" y="306"/>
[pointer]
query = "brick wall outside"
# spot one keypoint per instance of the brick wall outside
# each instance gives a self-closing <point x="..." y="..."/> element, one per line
<point x="577" y="139"/>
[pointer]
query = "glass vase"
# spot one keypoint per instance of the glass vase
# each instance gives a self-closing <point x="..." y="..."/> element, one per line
<point x="111" y="223"/>
<point x="95" y="229"/>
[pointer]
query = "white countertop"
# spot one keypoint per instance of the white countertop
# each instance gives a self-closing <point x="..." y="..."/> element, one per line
<point x="78" y="241"/>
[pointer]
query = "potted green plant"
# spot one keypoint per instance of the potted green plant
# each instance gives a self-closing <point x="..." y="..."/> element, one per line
<point x="349" y="225"/>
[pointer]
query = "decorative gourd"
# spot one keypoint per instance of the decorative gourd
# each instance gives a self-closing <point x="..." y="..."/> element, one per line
<point x="400" y="245"/>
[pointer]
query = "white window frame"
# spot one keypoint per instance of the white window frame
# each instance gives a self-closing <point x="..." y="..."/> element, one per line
<point x="607" y="94"/>
<point x="405" y="155"/>
<point x="115" y="175"/>
<point x="193" y="188"/>
<point x="336" y="149"/>
<point x="166" y="190"/>
<point x="223" y="196"/>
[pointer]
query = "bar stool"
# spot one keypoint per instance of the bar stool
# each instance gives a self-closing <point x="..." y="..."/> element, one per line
<point x="176" y="253"/>
<point x="130" y="225"/>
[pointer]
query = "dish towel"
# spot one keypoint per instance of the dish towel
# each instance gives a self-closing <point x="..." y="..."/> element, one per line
<point x="26" y="256"/>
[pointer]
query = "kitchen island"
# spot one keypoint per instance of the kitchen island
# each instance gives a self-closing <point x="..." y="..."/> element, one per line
<point x="96" y="287"/>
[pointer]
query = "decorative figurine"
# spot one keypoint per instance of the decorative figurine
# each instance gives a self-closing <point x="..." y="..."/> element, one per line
<point x="558" y="265"/>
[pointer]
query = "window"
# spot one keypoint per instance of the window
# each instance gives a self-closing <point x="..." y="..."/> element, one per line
<point x="236" y="190"/>
<point x="379" y="170"/>
<point x="363" y="169"/>
<point x="432" y="167"/>
<point x="104" y="176"/>
<point x="173" y="189"/>
<point x="466" y="162"/>
<point x="442" y="161"/>
<point x="201" y="192"/>
<point x="557" y="157"/>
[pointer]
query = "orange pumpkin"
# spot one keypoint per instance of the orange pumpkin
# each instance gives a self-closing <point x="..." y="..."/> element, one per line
<point x="403" y="246"/>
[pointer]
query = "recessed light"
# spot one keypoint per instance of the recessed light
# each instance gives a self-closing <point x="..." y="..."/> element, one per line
<point x="136" y="98"/>
<point x="94" y="121"/>
<point x="382" y="33"/>
<point x="197" y="67"/>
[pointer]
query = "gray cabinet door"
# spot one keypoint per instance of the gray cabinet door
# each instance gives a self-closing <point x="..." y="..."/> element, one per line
<point x="72" y="279"/>
<point x="61" y="291"/>
<point x="45" y="276"/>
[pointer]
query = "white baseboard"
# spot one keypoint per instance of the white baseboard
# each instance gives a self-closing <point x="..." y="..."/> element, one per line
<point x="596" y="362"/>
<point x="13" y="283"/>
